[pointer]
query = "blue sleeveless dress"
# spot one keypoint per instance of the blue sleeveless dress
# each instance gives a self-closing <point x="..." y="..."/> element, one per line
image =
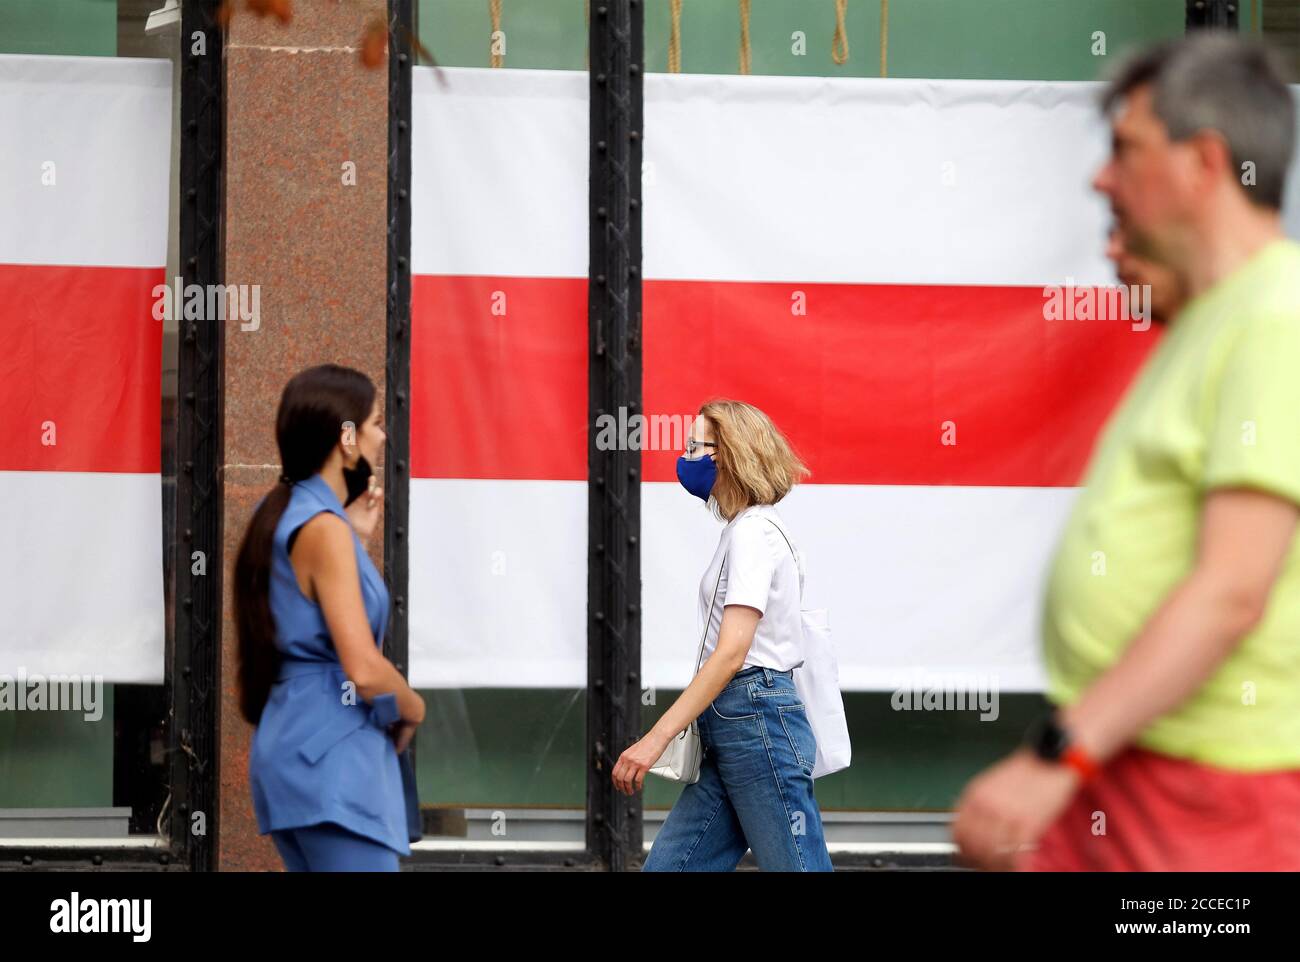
<point x="321" y="753"/>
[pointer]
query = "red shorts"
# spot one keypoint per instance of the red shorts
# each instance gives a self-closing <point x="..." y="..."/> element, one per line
<point x="1147" y="812"/>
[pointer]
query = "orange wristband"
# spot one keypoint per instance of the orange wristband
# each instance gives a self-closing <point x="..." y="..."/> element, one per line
<point x="1081" y="762"/>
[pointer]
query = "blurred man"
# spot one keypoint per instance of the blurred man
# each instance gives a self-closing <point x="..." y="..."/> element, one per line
<point x="1171" y="626"/>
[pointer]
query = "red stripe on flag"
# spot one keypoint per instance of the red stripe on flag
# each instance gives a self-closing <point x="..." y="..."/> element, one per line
<point x="498" y="377"/>
<point x="866" y="383"/>
<point x="82" y="353"/>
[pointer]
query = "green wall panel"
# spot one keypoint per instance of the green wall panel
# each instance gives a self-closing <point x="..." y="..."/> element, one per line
<point x="992" y="39"/>
<point x="903" y="760"/>
<point x="76" y="28"/>
<point x="56" y="758"/>
<point x="487" y="748"/>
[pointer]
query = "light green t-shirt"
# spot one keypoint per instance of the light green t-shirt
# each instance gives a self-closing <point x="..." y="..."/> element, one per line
<point x="1216" y="405"/>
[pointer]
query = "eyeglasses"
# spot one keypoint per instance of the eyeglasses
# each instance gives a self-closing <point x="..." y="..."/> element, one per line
<point x="692" y="444"/>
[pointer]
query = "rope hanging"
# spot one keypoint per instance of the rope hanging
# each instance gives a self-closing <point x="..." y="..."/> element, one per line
<point x="884" y="37"/>
<point x="675" y="37"/>
<point x="840" y="41"/>
<point x="744" y="36"/>
<point x="494" y="10"/>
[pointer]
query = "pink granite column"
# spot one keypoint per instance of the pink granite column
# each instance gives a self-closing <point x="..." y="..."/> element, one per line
<point x="300" y="108"/>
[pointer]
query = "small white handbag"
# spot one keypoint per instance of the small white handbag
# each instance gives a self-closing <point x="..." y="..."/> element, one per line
<point x="680" y="761"/>
<point x="818" y="683"/>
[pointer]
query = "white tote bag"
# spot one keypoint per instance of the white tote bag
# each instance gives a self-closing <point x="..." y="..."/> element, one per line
<point x="818" y="683"/>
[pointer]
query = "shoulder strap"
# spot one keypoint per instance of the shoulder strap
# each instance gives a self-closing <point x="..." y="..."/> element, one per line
<point x="792" y="552"/>
<point x="709" y="617"/>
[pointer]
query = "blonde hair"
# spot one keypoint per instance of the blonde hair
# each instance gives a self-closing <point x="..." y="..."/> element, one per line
<point x="756" y="464"/>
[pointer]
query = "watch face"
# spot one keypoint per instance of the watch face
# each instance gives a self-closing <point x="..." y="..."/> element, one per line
<point x="1051" y="740"/>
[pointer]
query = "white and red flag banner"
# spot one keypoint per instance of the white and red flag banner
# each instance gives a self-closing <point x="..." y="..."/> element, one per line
<point x="84" y="187"/>
<point x="864" y="259"/>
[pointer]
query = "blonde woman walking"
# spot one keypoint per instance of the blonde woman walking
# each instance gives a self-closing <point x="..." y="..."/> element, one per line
<point x="755" y="788"/>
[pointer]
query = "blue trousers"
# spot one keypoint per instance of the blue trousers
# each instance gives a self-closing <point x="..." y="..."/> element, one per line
<point x="755" y="790"/>
<point x="328" y="847"/>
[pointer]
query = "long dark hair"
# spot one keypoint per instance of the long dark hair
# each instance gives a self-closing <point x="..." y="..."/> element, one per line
<point x="313" y="409"/>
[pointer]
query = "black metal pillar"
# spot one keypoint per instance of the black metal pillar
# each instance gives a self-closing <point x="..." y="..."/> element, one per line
<point x="194" y="678"/>
<point x="397" y="409"/>
<point x="617" y="45"/>
<point x="1212" y="13"/>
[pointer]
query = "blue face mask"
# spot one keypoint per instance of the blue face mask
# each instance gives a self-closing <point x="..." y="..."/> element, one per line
<point x="697" y="475"/>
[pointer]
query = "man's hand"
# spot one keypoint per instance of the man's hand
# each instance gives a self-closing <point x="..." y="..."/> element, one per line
<point x="1005" y="810"/>
<point x="365" y="512"/>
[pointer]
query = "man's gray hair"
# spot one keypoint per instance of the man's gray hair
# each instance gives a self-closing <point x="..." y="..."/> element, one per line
<point x="1218" y="80"/>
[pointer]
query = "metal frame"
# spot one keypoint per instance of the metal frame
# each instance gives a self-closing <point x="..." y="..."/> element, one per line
<point x="195" y="679"/>
<point x="1203" y="14"/>
<point x="614" y="829"/>
<point x="397" y="411"/>
<point x="617" y="45"/>
<point x="473" y="860"/>
<point x="193" y="689"/>
<point x="402" y="33"/>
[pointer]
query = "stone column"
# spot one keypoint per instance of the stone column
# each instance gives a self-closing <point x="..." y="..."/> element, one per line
<point x="301" y="110"/>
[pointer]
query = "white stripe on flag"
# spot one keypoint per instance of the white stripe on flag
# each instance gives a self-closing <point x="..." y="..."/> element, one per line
<point x="500" y="182"/>
<point x="873" y="181"/>
<point x="801" y="179"/>
<point x="917" y="580"/>
<point x="85" y="171"/>
<point x="769" y="178"/>
<point x="498" y="584"/>
<point x="83" y="572"/>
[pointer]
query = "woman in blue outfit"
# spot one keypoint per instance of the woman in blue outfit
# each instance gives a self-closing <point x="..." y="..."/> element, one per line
<point x="755" y="787"/>
<point x="332" y="713"/>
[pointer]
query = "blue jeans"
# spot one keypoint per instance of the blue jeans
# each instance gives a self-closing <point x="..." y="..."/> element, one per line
<point x="755" y="789"/>
<point x="328" y="847"/>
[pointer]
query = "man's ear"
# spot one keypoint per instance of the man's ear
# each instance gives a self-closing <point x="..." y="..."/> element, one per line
<point x="1213" y="157"/>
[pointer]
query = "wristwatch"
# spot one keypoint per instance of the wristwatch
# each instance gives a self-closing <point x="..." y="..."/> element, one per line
<point x="1051" y="742"/>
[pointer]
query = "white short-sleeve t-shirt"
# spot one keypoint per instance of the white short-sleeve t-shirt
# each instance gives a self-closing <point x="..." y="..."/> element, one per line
<point x="760" y="571"/>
